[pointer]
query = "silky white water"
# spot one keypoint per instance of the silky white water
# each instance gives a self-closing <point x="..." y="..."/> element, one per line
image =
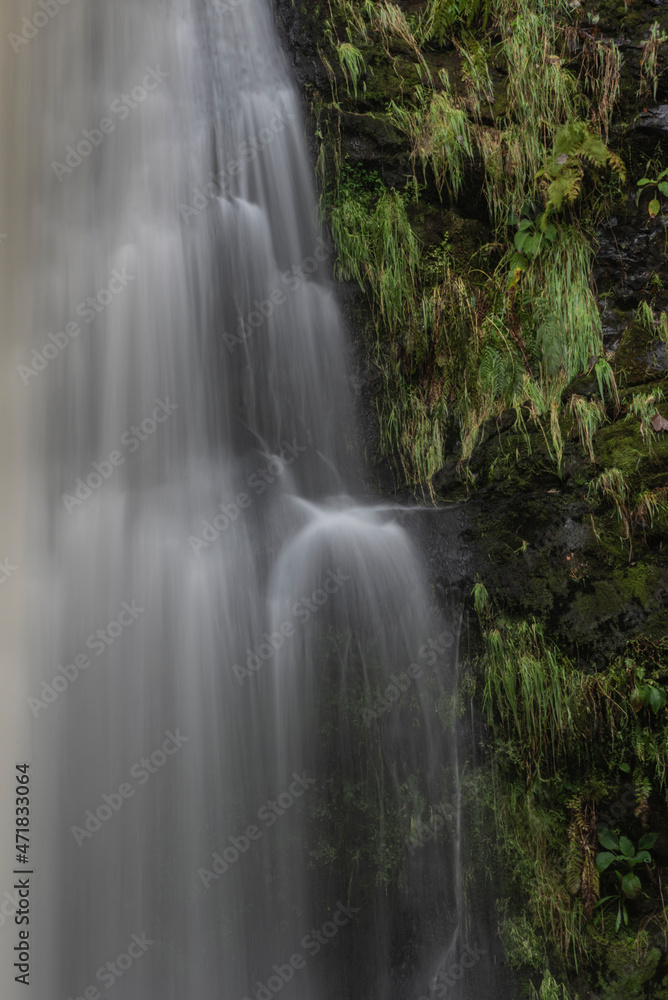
<point x="204" y="600"/>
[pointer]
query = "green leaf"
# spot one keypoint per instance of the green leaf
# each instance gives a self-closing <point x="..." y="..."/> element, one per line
<point x="618" y="921"/>
<point x="662" y="174"/>
<point x="525" y="224"/>
<point x="520" y="239"/>
<point x="663" y="188"/>
<point x="647" y="842"/>
<point x="642" y="857"/>
<point x="657" y="699"/>
<point x="518" y="264"/>
<point x="532" y="245"/>
<point x="631" y="886"/>
<point x="626" y="768"/>
<point x="604" y="860"/>
<point x="627" y="848"/>
<point x="607" y="838"/>
<point x="654" y="208"/>
<point x="550" y="233"/>
<point x="644" y="182"/>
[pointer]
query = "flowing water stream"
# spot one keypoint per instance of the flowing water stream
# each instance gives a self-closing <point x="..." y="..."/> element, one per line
<point x="207" y="607"/>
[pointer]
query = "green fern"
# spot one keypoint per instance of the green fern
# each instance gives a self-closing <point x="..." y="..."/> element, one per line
<point x="575" y="148"/>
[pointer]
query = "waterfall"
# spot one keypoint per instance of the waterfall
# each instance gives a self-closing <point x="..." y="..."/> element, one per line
<point x="210" y="604"/>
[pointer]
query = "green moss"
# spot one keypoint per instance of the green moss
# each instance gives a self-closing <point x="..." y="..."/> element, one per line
<point x="620" y="446"/>
<point x="638" y="583"/>
<point x="635" y="361"/>
<point x="627" y="974"/>
<point x="521" y="944"/>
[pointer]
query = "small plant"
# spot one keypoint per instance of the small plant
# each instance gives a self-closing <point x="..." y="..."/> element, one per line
<point x="605" y="377"/>
<point x="575" y="148"/>
<point x="643" y="408"/>
<point x="621" y="853"/>
<point x="529" y="240"/>
<point x="378" y="249"/>
<point x="550" y="989"/>
<point x="649" y="61"/>
<point x="352" y="63"/>
<point x="651" y="504"/>
<point x="440" y="134"/>
<point x="660" y="187"/>
<point x="443" y="17"/>
<point x="646" y="318"/>
<point x="480" y="598"/>
<point x="589" y="415"/>
<point x="611" y="485"/>
<point x="647" y="694"/>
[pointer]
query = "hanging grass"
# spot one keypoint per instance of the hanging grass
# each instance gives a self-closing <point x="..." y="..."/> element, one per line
<point x="440" y="134"/>
<point x="378" y="248"/>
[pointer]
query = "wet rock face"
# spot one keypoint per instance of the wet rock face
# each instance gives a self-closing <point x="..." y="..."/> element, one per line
<point x="631" y="262"/>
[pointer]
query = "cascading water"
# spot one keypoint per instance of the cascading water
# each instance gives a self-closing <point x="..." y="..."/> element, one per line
<point x="209" y="610"/>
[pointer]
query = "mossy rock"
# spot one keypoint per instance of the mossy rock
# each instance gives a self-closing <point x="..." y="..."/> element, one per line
<point x="640" y="357"/>
<point x="375" y="145"/>
<point x="620" y="445"/>
<point x="627" y="976"/>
